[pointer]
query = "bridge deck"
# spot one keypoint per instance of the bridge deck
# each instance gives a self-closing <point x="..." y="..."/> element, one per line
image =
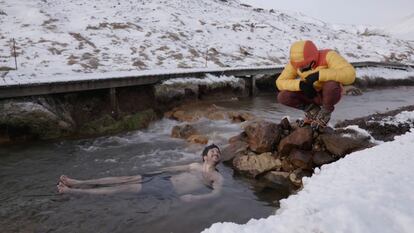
<point x="29" y="87"/>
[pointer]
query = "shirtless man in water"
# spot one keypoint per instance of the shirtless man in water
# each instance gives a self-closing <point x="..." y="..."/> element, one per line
<point x="192" y="177"/>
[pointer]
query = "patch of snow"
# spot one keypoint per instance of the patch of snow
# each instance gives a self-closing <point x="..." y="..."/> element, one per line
<point x="367" y="191"/>
<point x="400" y="118"/>
<point x="363" y="133"/>
<point x="376" y="72"/>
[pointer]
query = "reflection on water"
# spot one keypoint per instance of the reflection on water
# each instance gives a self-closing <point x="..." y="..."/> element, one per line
<point x="28" y="175"/>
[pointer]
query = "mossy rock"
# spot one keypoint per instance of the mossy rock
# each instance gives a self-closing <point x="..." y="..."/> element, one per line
<point x="31" y="120"/>
<point x="108" y="125"/>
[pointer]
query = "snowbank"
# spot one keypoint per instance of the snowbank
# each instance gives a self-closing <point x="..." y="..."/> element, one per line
<point x="376" y="72"/>
<point x="367" y="191"/>
<point x="401" y="118"/>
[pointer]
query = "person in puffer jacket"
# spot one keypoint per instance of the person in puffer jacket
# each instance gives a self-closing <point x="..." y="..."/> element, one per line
<point x="312" y="81"/>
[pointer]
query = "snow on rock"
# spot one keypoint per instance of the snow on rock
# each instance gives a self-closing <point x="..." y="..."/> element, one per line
<point x="377" y="72"/>
<point x="209" y="80"/>
<point x="68" y="37"/>
<point x="405" y="117"/>
<point x="367" y="191"/>
<point x="363" y="132"/>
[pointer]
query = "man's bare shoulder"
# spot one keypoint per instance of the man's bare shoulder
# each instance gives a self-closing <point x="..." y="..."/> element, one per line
<point x="195" y="166"/>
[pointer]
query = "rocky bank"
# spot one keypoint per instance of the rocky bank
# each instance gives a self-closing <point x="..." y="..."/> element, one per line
<point x="278" y="155"/>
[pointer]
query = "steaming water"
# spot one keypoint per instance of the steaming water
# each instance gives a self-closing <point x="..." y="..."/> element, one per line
<point x="28" y="175"/>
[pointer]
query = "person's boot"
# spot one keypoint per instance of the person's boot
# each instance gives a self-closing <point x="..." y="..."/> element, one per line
<point x="322" y="119"/>
<point x="311" y="112"/>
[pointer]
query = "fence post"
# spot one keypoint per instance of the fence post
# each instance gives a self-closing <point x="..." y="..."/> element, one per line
<point x="15" y="55"/>
<point x="206" y="56"/>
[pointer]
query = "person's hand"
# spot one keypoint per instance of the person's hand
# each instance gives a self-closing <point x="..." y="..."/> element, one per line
<point x="188" y="198"/>
<point x="307" y="89"/>
<point x="310" y="79"/>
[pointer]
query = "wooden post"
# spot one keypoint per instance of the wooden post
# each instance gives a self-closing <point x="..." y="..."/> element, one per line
<point x="114" y="102"/>
<point x="15" y="55"/>
<point x="250" y="85"/>
<point x="253" y="87"/>
<point x="206" y="57"/>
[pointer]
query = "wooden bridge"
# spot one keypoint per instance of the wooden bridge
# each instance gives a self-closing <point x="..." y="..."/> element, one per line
<point x="149" y="78"/>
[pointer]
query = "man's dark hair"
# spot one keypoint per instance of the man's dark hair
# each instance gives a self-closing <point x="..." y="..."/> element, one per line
<point x="207" y="148"/>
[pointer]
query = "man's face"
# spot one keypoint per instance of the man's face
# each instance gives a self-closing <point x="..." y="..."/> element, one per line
<point x="213" y="156"/>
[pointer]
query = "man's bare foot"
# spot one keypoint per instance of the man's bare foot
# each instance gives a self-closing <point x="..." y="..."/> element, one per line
<point x="68" y="181"/>
<point x="62" y="188"/>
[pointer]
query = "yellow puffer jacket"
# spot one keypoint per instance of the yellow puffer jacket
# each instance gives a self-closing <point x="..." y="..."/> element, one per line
<point x="330" y="64"/>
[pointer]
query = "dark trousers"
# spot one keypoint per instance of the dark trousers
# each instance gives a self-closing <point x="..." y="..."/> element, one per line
<point x="327" y="97"/>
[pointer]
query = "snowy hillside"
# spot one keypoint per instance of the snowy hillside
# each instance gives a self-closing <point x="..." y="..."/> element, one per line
<point x="403" y="29"/>
<point x="74" y="36"/>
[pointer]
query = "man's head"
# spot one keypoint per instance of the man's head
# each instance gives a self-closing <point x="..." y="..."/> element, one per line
<point x="303" y="55"/>
<point x="211" y="154"/>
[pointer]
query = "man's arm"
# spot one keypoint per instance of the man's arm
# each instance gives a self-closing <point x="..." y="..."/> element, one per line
<point x="179" y="168"/>
<point x="338" y="70"/>
<point x="217" y="187"/>
<point x="287" y="79"/>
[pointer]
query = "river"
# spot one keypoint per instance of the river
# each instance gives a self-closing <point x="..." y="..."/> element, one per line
<point x="28" y="174"/>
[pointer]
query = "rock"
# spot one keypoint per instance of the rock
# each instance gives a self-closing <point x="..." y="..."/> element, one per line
<point x="285" y="124"/>
<point x="351" y="90"/>
<point x="198" y="139"/>
<point x="109" y="125"/>
<point x="241" y="137"/>
<point x="321" y="157"/>
<point x="193" y="112"/>
<point x="254" y="165"/>
<point x="175" y="92"/>
<point x="296" y="176"/>
<point x="262" y="136"/>
<point x="287" y="166"/>
<point x="317" y="145"/>
<point x="237" y="117"/>
<point x="301" y="159"/>
<point x="341" y="145"/>
<point x="301" y="138"/>
<point x="235" y="149"/>
<point x="182" y="116"/>
<point x="279" y="180"/>
<point x="216" y="115"/>
<point x="34" y="118"/>
<point x="184" y="131"/>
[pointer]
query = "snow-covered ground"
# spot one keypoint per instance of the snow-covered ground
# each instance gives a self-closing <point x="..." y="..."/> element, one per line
<point x="372" y="72"/>
<point x="367" y="191"/>
<point x="68" y="37"/>
<point x="377" y="72"/>
<point x="13" y="80"/>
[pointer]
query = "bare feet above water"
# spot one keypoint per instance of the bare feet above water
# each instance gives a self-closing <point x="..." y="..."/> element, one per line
<point x="62" y="188"/>
<point x="68" y="181"/>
